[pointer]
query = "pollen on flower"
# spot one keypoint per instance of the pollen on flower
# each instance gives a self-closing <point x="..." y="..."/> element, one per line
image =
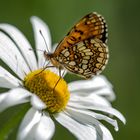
<point x="42" y="84"/>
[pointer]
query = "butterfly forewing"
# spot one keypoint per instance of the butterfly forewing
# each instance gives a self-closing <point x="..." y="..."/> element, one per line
<point x="92" y="25"/>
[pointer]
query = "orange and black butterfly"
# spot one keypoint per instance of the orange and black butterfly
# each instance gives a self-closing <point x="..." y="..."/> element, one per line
<point x="83" y="50"/>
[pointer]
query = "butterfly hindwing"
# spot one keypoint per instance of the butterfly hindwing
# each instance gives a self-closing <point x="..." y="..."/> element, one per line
<point x="85" y="58"/>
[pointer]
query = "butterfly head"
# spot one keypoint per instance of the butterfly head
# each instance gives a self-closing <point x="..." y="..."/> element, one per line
<point x="50" y="57"/>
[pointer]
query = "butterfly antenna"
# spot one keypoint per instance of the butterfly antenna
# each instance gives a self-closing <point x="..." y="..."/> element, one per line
<point x="32" y="49"/>
<point x="44" y="40"/>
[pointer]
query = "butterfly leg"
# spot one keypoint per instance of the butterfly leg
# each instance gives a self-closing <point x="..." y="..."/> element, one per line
<point x="59" y="78"/>
<point x="44" y="69"/>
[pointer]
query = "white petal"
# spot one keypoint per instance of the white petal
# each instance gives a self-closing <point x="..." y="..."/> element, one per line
<point x="106" y="92"/>
<point x="94" y="83"/>
<point x="86" y="118"/>
<point x="43" y="130"/>
<point x="31" y="118"/>
<point x="7" y="80"/>
<point x="37" y="102"/>
<point x="22" y="43"/>
<point x="36" y="126"/>
<point x="106" y="133"/>
<point x="39" y="25"/>
<point x="2" y="97"/>
<point x="105" y="109"/>
<point x="91" y="99"/>
<point x="82" y="132"/>
<point x="13" y="97"/>
<point x="11" y="56"/>
<point x="83" y="118"/>
<point x="89" y="117"/>
<point x="98" y="85"/>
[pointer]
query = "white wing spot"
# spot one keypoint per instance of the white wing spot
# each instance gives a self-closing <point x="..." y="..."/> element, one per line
<point x="86" y="57"/>
<point x="81" y="70"/>
<point x="66" y="54"/>
<point x="92" y="41"/>
<point x="101" y="54"/>
<point x="64" y="51"/>
<point x="100" y="59"/>
<point x="89" y="53"/>
<point x="86" y="50"/>
<point x="72" y="63"/>
<point x="84" y="67"/>
<point x="80" y="44"/>
<point x="82" y="48"/>
<point x="84" y="61"/>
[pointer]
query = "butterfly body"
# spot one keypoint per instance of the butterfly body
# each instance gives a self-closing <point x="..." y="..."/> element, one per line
<point x="83" y="50"/>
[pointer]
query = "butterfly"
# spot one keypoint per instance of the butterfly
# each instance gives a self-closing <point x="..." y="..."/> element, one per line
<point x="83" y="51"/>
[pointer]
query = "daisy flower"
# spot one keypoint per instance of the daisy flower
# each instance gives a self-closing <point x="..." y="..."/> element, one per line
<point x="78" y="106"/>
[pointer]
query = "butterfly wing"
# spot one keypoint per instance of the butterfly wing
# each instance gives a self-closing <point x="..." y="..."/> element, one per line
<point x="85" y="58"/>
<point x="92" y="25"/>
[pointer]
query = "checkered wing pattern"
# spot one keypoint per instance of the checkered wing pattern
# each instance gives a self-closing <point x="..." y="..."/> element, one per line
<point x="85" y="58"/>
<point x="83" y="50"/>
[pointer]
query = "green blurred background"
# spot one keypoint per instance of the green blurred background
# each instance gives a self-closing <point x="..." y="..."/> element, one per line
<point x="123" y="18"/>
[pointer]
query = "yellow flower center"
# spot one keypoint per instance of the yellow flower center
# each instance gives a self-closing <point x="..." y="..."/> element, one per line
<point x="49" y="87"/>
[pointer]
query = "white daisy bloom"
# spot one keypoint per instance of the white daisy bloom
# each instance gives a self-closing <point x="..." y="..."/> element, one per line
<point x="78" y="106"/>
